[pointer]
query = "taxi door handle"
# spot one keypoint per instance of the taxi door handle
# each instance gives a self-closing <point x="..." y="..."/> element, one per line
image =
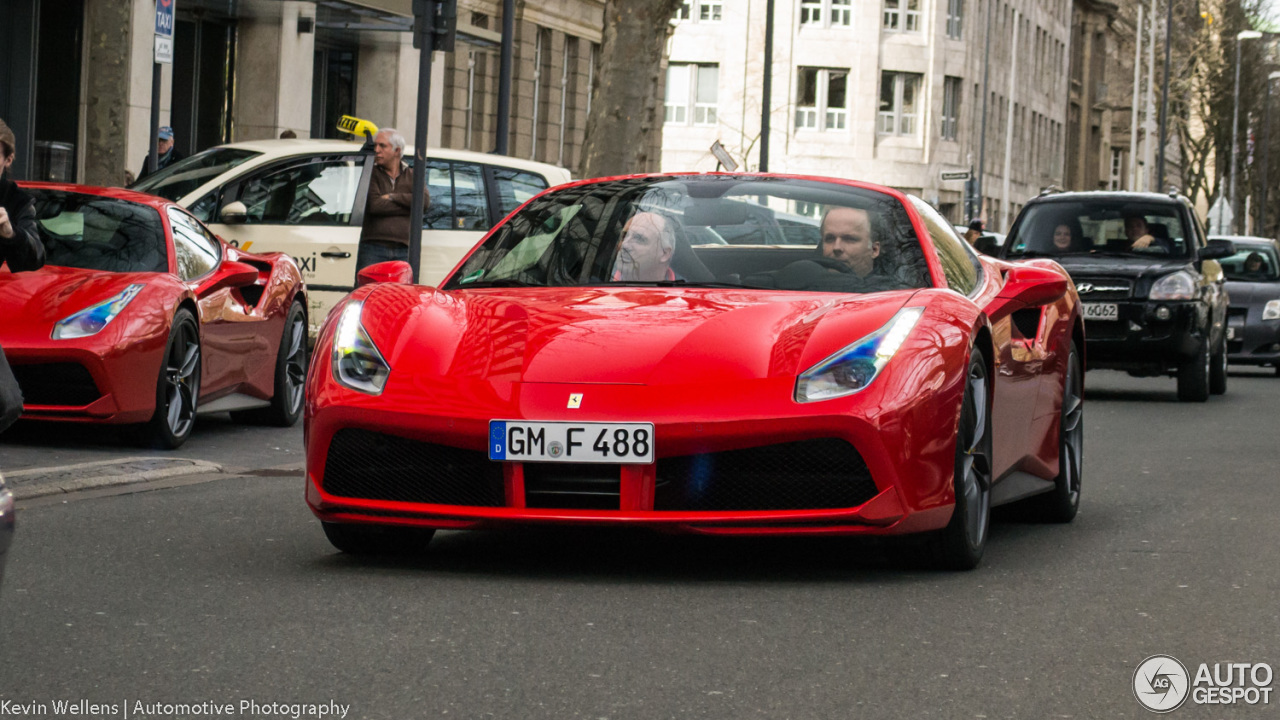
<point x="339" y="255"/>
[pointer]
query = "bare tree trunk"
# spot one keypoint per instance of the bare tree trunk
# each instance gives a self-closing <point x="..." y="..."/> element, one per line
<point x="624" y="129"/>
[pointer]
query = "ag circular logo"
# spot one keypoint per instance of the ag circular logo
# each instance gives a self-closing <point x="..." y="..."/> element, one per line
<point x="1161" y="683"/>
<point x="555" y="449"/>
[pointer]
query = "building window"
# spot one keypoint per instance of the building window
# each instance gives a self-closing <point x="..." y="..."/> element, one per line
<point x="692" y="92"/>
<point x="826" y="13"/>
<point x="955" y="17"/>
<point x="902" y="15"/>
<point x="699" y="11"/>
<point x="899" y="105"/>
<point x="1117" y="167"/>
<point x="684" y="12"/>
<point x="951" y="88"/>
<point x="822" y="99"/>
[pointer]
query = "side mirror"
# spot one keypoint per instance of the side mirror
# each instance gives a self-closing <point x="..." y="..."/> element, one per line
<point x="391" y="271"/>
<point x="1033" y="286"/>
<point x="1217" y="249"/>
<point x="232" y="274"/>
<point x="234" y="213"/>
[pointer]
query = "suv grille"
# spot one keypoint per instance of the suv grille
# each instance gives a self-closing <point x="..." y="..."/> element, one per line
<point x="1097" y="289"/>
<point x="375" y="466"/>
<point x="818" y="474"/>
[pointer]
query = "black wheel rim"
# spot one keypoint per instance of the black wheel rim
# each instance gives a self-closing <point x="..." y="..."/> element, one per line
<point x="295" y="364"/>
<point x="975" y="467"/>
<point x="182" y="381"/>
<point x="1071" y="447"/>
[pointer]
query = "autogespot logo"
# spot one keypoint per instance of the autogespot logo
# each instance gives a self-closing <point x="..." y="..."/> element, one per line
<point x="1161" y="683"/>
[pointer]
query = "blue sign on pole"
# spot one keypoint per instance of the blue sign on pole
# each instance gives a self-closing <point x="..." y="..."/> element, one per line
<point x="164" y="17"/>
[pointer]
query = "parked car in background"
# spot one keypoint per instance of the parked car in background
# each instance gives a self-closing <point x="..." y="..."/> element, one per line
<point x="1154" y="310"/>
<point x="307" y="197"/>
<point x="141" y="316"/>
<point x="1253" y="284"/>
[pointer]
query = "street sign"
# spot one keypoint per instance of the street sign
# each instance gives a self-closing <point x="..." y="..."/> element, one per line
<point x="956" y="175"/>
<point x="164" y="18"/>
<point x="723" y="156"/>
<point x="164" y="50"/>
<point x="1221" y="216"/>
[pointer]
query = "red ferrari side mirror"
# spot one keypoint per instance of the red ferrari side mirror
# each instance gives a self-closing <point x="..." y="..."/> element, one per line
<point x="392" y="271"/>
<point x="1033" y="286"/>
<point x="232" y="274"/>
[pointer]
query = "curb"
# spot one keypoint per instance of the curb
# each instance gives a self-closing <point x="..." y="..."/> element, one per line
<point x="39" y="482"/>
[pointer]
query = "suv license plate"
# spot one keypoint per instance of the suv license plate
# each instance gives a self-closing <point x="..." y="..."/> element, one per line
<point x="1101" y="311"/>
<point x="521" y="441"/>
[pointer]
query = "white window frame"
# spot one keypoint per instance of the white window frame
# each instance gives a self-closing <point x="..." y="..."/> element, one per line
<point x="692" y="109"/>
<point x="901" y="16"/>
<point x="901" y="124"/>
<point x="820" y="117"/>
<point x="710" y="10"/>
<point x="826" y="13"/>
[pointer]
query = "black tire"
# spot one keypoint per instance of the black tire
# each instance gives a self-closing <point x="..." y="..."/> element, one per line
<point x="1061" y="504"/>
<point x="959" y="546"/>
<point x="178" y="387"/>
<point x="290" y="376"/>
<point x="1218" y="369"/>
<point x="359" y="539"/>
<point x="1193" y="377"/>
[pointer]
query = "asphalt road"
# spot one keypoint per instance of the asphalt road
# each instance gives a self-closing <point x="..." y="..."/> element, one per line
<point x="226" y="591"/>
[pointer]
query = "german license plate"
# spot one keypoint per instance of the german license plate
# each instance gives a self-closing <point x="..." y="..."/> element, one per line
<point x="1101" y="311"/>
<point x="522" y="441"/>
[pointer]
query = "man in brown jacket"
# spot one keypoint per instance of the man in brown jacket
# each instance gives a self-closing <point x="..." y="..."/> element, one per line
<point x="385" y="235"/>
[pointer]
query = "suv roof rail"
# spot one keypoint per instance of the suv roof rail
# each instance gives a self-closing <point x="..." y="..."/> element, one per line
<point x="1050" y="190"/>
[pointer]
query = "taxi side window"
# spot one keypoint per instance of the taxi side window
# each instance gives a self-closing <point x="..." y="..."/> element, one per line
<point x="515" y="187"/>
<point x="458" y="197"/>
<point x="320" y="192"/>
<point x="197" y="251"/>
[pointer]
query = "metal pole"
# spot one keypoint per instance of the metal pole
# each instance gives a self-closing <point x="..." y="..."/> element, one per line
<point x="1164" y="94"/>
<point x="982" y="141"/>
<point x="768" y="87"/>
<point x="420" y="141"/>
<point x="153" y="155"/>
<point x="1235" y="127"/>
<point x="1133" y="113"/>
<point x="504" y="76"/>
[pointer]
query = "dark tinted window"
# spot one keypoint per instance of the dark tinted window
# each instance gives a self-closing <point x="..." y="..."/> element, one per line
<point x="97" y="233"/>
<point x="458" y="197"/>
<point x="1101" y="226"/>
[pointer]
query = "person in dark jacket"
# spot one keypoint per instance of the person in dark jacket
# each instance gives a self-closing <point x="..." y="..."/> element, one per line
<point x="167" y="154"/>
<point x="385" y="234"/>
<point x="20" y="249"/>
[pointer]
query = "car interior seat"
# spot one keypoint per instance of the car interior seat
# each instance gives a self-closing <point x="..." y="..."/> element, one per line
<point x="684" y="260"/>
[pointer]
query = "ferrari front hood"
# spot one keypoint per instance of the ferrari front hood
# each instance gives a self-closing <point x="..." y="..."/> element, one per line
<point x="617" y="335"/>
<point x="36" y="300"/>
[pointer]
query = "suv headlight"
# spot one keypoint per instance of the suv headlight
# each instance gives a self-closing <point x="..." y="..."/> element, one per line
<point x="92" y="319"/>
<point x="855" y="366"/>
<point x="1271" y="311"/>
<point x="357" y="364"/>
<point x="1177" y="286"/>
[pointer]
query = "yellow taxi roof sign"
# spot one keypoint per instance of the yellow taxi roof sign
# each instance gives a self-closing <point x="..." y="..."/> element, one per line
<point x="357" y="126"/>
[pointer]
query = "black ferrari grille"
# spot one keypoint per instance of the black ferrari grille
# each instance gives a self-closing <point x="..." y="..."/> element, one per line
<point x="805" y="475"/>
<point x="1096" y="289"/>
<point x="375" y="466"/>
<point x="63" y="384"/>
<point x="565" y="486"/>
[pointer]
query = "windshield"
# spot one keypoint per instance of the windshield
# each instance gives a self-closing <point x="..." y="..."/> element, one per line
<point x="1102" y="226"/>
<point x="1252" y="263"/>
<point x="723" y="231"/>
<point x="179" y="179"/>
<point x="97" y="233"/>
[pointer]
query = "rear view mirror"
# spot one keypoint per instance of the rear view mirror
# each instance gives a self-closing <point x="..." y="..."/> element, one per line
<point x="234" y="213"/>
<point x="1217" y="249"/>
<point x="392" y="271"/>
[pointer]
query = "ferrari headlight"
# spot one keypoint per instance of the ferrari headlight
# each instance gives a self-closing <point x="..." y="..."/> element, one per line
<point x="92" y="319"/>
<point x="854" y="367"/>
<point x="1177" y="286"/>
<point x="1272" y="310"/>
<point x="357" y="364"/>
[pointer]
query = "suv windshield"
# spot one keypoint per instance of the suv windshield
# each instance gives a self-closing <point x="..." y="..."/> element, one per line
<point x="98" y="233"/>
<point x="1252" y="263"/>
<point x="713" y="232"/>
<point x="180" y="178"/>
<point x="1101" y="226"/>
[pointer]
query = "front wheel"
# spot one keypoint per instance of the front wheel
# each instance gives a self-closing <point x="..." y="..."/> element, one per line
<point x="359" y="539"/>
<point x="959" y="546"/>
<point x="1218" y="369"/>
<point x="1193" y="377"/>
<point x="178" y="387"/>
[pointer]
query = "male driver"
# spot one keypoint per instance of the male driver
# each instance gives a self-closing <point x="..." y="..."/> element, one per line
<point x="385" y="235"/>
<point x="846" y="236"/>
<point x="166" y="153"/>
<point x="648" y="242"/>
<point x="1135" y="229"/>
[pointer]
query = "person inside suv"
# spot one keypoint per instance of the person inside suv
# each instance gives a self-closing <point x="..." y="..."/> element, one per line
<point x="1140" y="236"/>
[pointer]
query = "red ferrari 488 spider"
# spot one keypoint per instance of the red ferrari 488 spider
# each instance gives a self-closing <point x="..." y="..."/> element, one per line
<point x="733" y="354"/>
<point x="141" y="315"/>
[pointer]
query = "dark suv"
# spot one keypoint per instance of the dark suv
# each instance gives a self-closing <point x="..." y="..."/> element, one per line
<point x="1152" y="291"/>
